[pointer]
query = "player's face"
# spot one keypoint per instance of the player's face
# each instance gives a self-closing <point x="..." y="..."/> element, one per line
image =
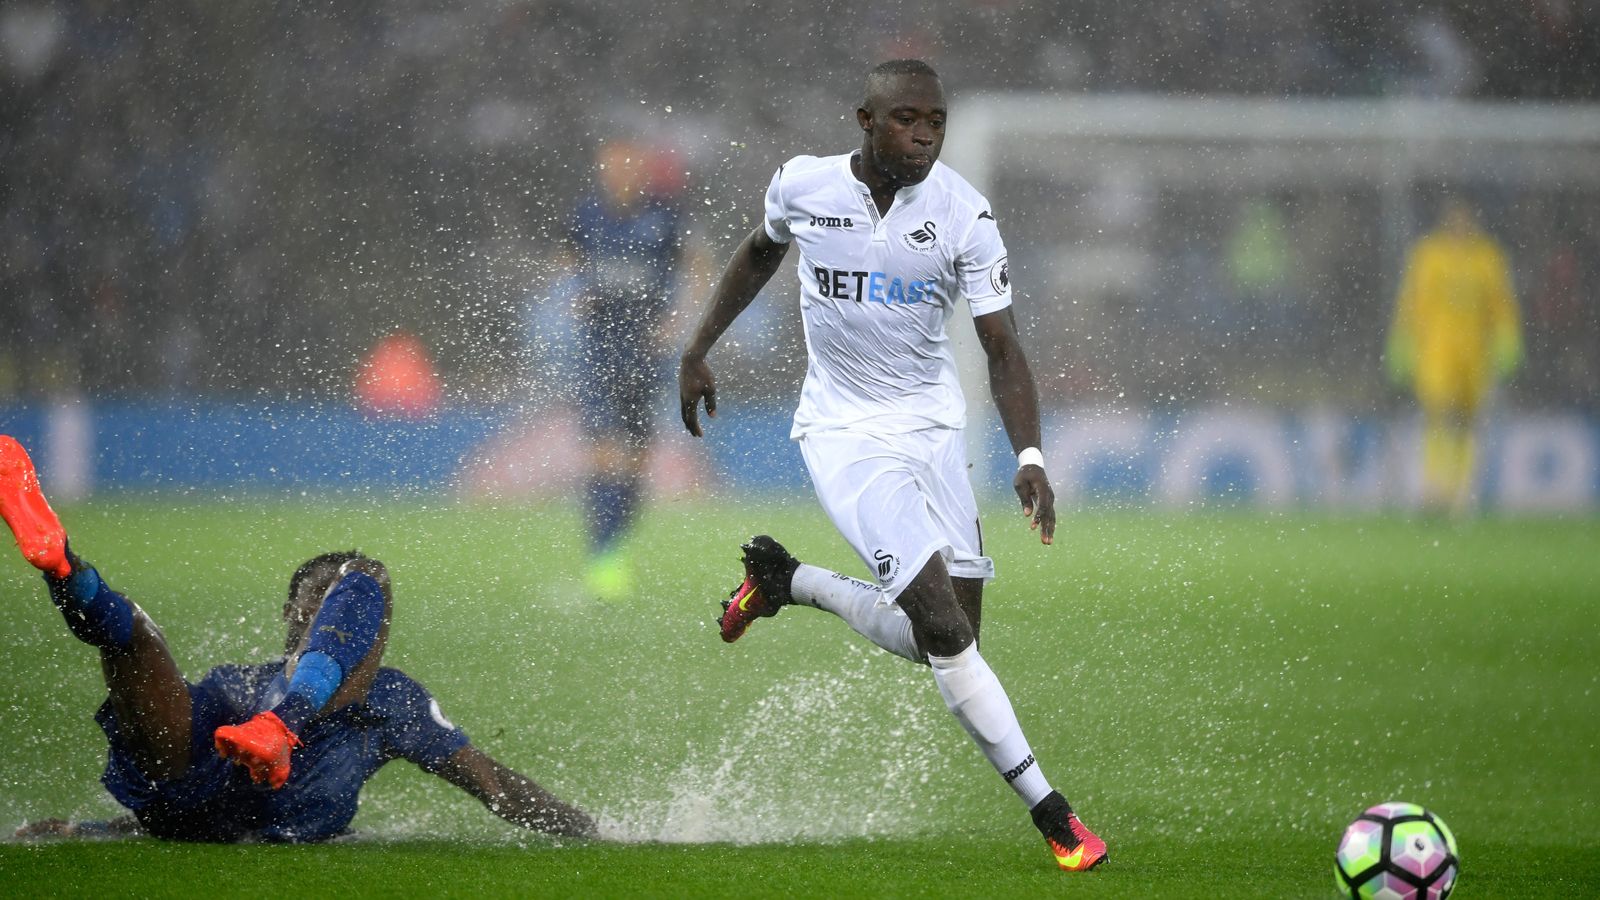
<point x="904" y="119"/>
<point x="622" y="173"/>
<point x="1458" y="218"/>
<point x="303" y="605"/>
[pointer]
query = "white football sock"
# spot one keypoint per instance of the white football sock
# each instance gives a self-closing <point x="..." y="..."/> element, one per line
<point x="974" y="694"/>
<point x="858" y="603"/>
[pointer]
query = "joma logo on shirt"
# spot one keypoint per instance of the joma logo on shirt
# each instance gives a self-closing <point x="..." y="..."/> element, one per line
<point x="831" y="222"/>
<point x="872" y="287"/>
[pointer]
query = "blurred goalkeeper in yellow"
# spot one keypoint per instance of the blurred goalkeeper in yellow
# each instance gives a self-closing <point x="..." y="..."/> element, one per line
<point x="1456" y="331"/>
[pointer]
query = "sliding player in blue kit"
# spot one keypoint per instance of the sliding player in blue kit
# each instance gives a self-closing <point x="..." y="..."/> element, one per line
<point x="270" y="752"/>
<point x="889" y="240"/>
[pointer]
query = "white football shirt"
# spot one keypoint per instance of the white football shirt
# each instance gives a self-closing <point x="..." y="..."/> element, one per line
<point x="875" y="293"/>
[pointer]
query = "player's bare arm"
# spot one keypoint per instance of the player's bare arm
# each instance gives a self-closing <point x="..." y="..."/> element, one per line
<point x="121" y="826"/>
<point x="751" y="267"/>
<point x="513" y="796"/>
<point x="1017" y="400"/>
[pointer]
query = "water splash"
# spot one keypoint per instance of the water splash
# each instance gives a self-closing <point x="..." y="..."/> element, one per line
<point x="821" y="757"/>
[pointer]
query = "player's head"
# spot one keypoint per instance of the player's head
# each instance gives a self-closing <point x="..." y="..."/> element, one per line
<point x="309" y="585"/>
<point x="902" y="117"/>
<point x="622" y="171"/>
<point x="1456" y="215"/>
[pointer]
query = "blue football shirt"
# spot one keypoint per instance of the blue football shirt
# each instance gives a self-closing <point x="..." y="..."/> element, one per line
<point x="627" y="258"/>
<point x="216" y="801"/>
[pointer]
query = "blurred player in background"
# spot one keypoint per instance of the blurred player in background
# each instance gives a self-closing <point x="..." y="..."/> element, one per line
<point x="889" y="241"/>
<point x="272" y="752"/>
<point x="627" y="243"/>
<point x="1456" y="331"/>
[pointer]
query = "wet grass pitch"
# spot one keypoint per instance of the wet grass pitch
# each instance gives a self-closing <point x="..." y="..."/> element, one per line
<point x="1217" y="693"/>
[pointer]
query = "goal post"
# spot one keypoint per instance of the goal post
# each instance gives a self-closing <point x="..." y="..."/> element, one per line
<point x="1039" y="156"/>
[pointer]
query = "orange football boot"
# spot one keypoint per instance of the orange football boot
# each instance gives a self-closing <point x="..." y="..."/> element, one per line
<point x="22" y="504"/>
<point x="261" y="745"/>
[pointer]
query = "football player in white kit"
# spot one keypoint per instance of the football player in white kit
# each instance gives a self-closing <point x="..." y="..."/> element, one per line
<point x="889" y="240"/>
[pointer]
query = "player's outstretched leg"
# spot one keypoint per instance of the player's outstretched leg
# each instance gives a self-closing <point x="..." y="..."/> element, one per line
<point x="96" y="614"/>
<point x="33" y="523"/>
<point x="147" y="692"/>
<point x="861" y="605"/>
<point x="1076" y="848"/>
<point x="340" y="657"/>
<point x="768" y="569"/>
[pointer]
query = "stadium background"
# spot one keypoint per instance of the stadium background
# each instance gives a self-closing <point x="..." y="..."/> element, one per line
<point x="211" y="214"/>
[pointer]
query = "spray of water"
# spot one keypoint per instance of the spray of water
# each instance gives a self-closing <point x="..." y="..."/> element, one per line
<point x="823" y="756"/>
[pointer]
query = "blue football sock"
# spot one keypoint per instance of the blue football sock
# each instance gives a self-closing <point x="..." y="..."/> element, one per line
<point x="316" y="678"/>
<point x="95" y="613"/>
<point x="342" y="634"/>
<point x="612" y="504"/>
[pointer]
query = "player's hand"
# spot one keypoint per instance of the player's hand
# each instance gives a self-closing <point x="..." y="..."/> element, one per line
<point x="694" y="382"/>
<point x="1038" y="501"/>
<point x="122" y="826"/>
<point x="45" y="828"/>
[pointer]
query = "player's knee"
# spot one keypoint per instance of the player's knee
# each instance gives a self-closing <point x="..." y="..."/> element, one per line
<point x="938" y="622"/>
<point x="145" y="629"/>
<point x="969" y="594"/>
<point x="945" y="633"/>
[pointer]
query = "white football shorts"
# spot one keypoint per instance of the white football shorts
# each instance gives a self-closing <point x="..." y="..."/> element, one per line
<point x="898" y="499"/>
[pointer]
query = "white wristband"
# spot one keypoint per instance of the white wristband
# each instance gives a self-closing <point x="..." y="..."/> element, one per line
<point x="1030" y="457"/>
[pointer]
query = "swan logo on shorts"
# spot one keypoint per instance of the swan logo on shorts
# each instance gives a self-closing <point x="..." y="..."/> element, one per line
<point x="888" y="566"/>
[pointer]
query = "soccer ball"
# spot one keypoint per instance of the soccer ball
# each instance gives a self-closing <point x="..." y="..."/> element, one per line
<point x="1396" y="851"/>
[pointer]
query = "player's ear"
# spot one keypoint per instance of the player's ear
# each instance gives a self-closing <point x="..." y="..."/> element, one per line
<point x="864" y="118"/>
